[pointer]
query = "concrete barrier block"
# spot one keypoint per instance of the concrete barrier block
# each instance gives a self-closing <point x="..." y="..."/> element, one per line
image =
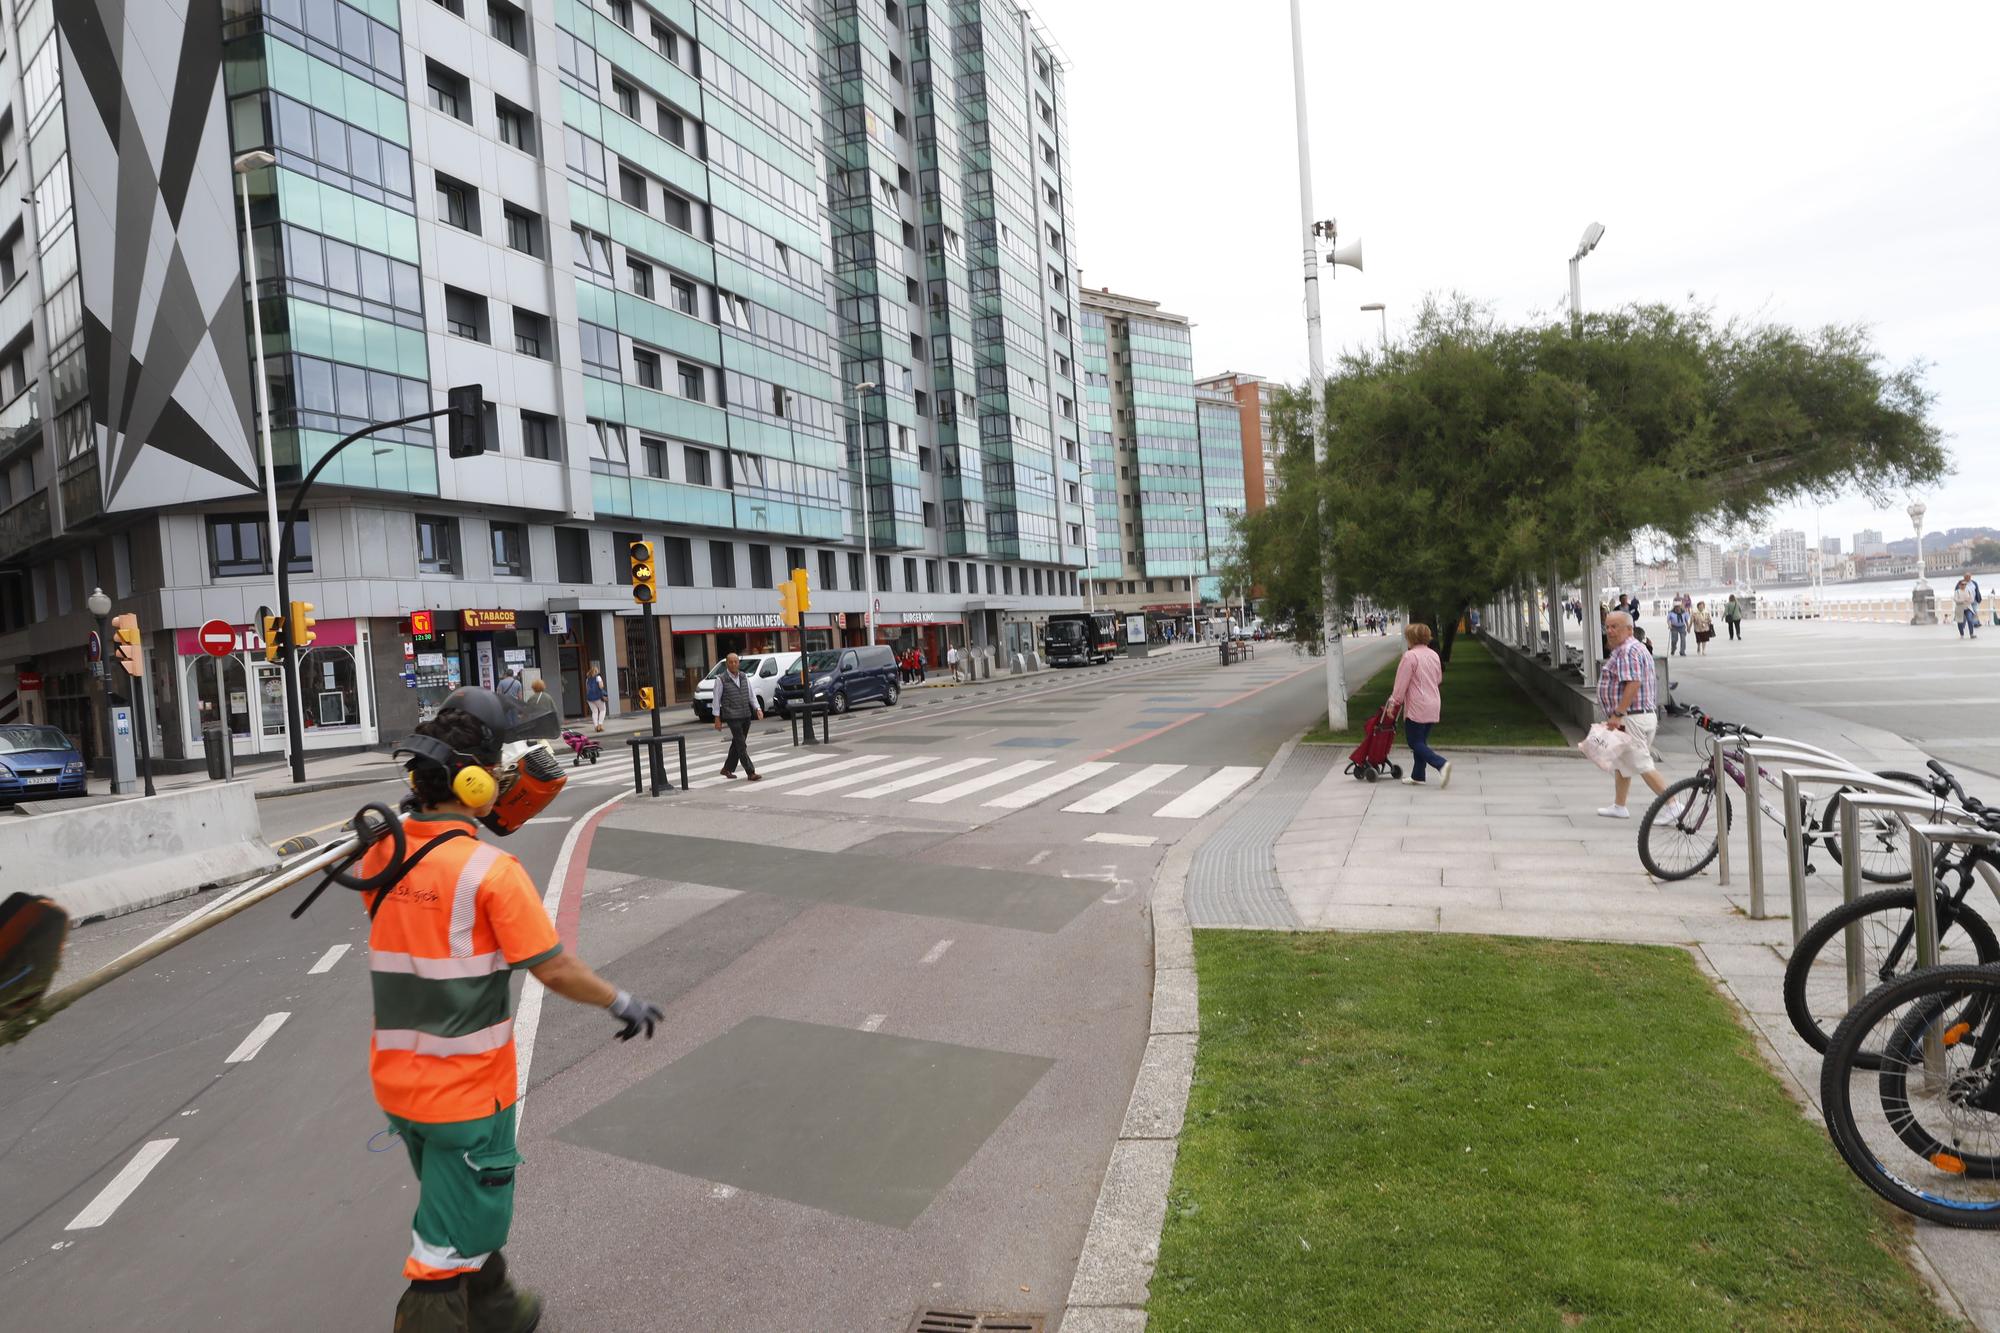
<point x="106" y="860"/>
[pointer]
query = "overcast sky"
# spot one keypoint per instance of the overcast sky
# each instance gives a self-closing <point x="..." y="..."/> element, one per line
<point x="1804" y="164"/>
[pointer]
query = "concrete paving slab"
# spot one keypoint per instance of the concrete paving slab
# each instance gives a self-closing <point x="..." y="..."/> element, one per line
<point x="1565" y="925"/>
<point x="1355" y="916"/>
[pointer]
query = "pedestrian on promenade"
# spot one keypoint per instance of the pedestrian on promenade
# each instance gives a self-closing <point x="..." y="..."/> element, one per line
<point x="921" y="677"/>
<point x="444" y="940"/>
<point x="1732" y="616"/>
<point x="1677" y="631"/>
<point x="1416" y="696"/>
<point x="1628" y="692"/>
<point x="540" y="718"/>
<point x="510" y="686"/>
<point x="951" y="660"/>
<point x="1964" y="612"/>
<point x="735" y="705"/>
<point x="1703" y="625"/>
<point x="594" y="694"/>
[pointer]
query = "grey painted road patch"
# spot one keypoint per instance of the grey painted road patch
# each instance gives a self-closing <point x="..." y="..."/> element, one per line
<point x="1009" y="898"/>
<point x="1037" y="742"/>
<point x="862" y="1124"/>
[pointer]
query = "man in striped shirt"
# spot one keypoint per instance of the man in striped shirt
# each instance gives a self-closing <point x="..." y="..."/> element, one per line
<point x="1628" y="692"/>
<point x="446" y="937"/>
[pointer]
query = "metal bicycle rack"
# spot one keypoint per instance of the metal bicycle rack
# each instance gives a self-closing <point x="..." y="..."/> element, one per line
<point x="1910" y="808"/>
<point x="1780" y="752"/>
<point x="1924" y="838"/>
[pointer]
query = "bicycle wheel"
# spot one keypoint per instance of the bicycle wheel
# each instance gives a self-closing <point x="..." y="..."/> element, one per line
<point x="1885" y="856"/>
<point x="1924" y="1136"/>
<point x="1816" y="977"/>
<point x="1680" y="845"/>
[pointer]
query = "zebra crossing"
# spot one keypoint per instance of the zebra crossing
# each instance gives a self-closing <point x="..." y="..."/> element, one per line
<point x="983" y="782"/>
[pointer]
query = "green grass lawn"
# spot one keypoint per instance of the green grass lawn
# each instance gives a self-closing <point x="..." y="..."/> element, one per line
<point x="1454" y="1132"/>
<point x="1482" y="706"/>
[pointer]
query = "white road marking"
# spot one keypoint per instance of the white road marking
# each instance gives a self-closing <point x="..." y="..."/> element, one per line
<point x="982" y="782"/>
<point x="99" y="1210"/>
<point x="528" y="1018"/>
<point x="247" y="1049"/>
<point x="1040" y="856"/>
<point x="865" y="775"/>
<point x="873" y="1022"/>
<point x="549" y="819"/>
<point x="1123" y="839"/>
<point x="916" y="779"/>
<point x="1205" y="795"/>
<point x="1123" y="790"/>
<point x="327" y="960"/>
<point x="722" y="1192"/>
<point x="775" y="765"/>
<point x="1048" y="786"/>
<point x="822" y="770"/>
<point x="937" y="952"/>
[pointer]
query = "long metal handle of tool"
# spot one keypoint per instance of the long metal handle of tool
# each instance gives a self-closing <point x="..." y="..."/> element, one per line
<point x="13" y="1029"/>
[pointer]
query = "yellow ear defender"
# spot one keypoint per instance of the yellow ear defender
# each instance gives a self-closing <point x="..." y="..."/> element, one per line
<point x="471" y="782"/>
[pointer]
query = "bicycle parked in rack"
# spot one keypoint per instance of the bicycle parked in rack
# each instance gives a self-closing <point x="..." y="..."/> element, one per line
<point x="1677" y="832"/>
<point x="1816" y="996"/>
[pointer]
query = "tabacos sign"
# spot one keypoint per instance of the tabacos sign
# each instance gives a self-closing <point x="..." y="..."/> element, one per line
<point x="485" y="620"/>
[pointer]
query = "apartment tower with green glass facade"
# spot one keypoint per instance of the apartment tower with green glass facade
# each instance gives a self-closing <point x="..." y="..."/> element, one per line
<point x="666" y="237"/>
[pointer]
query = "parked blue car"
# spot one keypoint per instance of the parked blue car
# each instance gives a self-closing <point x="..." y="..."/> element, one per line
<point x="37" y="761"/>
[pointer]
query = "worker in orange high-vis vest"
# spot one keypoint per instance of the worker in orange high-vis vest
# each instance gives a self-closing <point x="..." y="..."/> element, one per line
<point x="445" y="938"/>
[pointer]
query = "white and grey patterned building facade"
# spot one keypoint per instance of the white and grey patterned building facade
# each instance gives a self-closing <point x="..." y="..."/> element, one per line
<point x="664" y="237"/>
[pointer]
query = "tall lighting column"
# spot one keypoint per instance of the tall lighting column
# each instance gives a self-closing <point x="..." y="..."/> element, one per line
<point x="1312" y="232"/>
<point x="1592" y="629"/>
<point x="245" y="164"/>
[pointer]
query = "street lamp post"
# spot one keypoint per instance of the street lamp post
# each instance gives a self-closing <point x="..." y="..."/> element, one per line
<point x="867" y="523"/>
<point x="1923" y="602"/>
<point x="1590" y="630"/>
<point x="1329" y="584"/>
<point x="1382" y="310"/>
<point x="245" y="164"/>
<point x="1194" y="580"/>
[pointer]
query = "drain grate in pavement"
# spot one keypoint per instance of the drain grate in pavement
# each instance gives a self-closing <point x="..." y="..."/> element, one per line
<point x="966" y="1321"/>
<point x="1233" y="880"/>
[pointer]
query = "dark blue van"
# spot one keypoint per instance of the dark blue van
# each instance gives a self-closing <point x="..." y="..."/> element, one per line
<point x="845" y="677"/>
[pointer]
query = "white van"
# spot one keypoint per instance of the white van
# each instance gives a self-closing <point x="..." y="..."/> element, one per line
<point x="764" y="671"/>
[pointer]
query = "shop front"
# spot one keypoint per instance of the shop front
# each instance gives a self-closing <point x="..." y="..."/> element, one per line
<point x="931" y="632"/>
<point x="247" y="694"/>
<point x="702" y="641"/>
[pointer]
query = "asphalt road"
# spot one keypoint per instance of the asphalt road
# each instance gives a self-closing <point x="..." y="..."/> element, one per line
<point x="907" y="983"/>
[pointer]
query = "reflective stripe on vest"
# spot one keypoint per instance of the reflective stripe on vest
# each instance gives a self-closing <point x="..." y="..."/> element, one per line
<point x="465" y="898"/>
<point x="443" y="1259"/>
<point x="425" y="1043"/>
<point x="437" y="969"/>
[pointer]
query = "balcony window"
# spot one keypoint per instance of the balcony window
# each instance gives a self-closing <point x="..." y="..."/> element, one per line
<point x="531" y="334"/>
<point x="465" y="314"/>
<point x="510" y="549"/>
<point x="457" y="204"/>
<point x="449" y="91"/>
<point x="538" y="436"/>
<point x="437" y="544"/>
<point x="646" y="367"/>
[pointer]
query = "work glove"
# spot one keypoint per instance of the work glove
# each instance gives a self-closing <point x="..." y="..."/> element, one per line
<point x="634" y="1014"/>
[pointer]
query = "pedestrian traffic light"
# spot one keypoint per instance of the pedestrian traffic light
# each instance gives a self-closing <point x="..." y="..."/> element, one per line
<point x="803" y="584"/>
<point x="274" y="633"/>
<point x="641" y="556"/>
<point x="465" y="428"/>
<point x="645" y="696"/>
<point x="125" y="636"/>
<point x="299" y="629"/>
<point x="788" y="603"/>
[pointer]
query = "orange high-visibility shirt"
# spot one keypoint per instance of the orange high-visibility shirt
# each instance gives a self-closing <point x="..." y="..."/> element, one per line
<point x="440" y="953"/>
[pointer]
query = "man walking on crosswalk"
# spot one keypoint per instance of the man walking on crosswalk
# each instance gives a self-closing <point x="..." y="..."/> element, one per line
<point x="735" y="705"/>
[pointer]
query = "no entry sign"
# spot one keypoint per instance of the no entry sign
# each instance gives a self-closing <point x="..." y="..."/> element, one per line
<point x="218" y="638"/>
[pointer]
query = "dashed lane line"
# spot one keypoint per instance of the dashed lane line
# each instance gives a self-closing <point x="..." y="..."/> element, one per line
<point x="99" y="1210"/>
<point x="937" y="952"/>
<point x="247" y="1049"/>
<point x="327" y="960"/>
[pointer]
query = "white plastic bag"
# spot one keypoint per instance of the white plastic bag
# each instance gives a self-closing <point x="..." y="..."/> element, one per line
<point x="1614" y="751"/>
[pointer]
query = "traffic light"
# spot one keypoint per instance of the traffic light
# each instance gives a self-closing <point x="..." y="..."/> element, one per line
<point x="788" y="603"/>
<point x="803" y="584"/>
<point x="125" y="635"/>
<point x="274" y="633"/>
<point x="641" y="556"/>
<point x="465" y="428"/>
<point x="299" y="629"/>
<point x="645" y="696"/>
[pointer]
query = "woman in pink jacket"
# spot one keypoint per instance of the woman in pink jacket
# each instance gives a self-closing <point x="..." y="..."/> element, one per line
<point x="1417" y="699"/>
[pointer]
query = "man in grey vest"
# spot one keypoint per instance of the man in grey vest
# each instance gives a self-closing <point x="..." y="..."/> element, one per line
<point x="735" y="705"/>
